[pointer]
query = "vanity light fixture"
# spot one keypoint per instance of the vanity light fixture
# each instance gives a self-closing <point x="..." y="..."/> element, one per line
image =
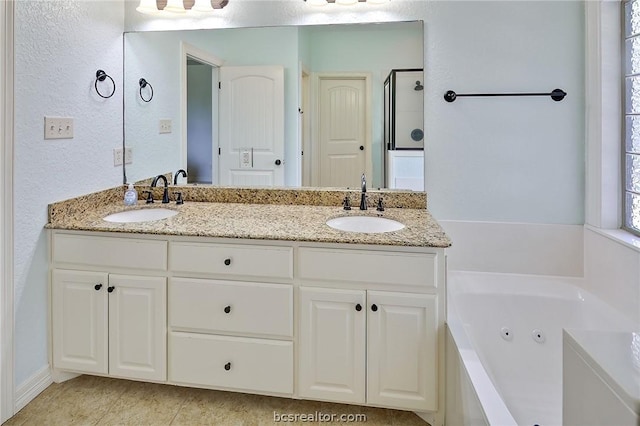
<point x="178" y="8"/>
<point x="343" y="2"/>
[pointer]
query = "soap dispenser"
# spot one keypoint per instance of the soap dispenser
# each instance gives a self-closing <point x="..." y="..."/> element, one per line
<point x="130" y="196"/>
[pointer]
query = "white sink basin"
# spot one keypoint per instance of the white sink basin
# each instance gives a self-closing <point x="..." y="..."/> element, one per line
<point x="365" y="224"/>
<point x="140" y="215"/>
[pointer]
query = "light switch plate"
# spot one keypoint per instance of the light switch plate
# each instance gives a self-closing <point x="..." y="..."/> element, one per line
<point x="58" y="127"/>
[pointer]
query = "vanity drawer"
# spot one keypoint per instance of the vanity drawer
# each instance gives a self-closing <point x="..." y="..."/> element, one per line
<point x="231" y="307"/>
<point x="368" y="266"/>
<point x="110" y="252"/>
<point x="231" y="259"/>
<point x="231" y="362"/>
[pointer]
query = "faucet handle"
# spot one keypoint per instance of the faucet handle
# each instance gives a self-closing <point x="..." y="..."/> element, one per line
<point x="149" y="197"/>
<point x="179" y="199"/>
<point x="346" y="203"/>
<point x="380" y="207"/>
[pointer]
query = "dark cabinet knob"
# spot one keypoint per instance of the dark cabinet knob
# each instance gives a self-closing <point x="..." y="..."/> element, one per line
<point x="110" y="289"/>
<point x="361" y="148"/>
<point x="227" y="366"/>
<point x="227" y="262"/>
<point x="374" y="307"/>
<point x="227" y="309"/>
<point x="98" y="286"/>
<point x="358" y="307"/>
<point x="278" y="162"/>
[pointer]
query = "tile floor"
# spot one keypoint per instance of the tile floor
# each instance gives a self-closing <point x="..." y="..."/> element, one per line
<point x="89" y="400"/>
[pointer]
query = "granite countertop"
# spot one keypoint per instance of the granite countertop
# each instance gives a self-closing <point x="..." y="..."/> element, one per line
<point x="255" y="221"/>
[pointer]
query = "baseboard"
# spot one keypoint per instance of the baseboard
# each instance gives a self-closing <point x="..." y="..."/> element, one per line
<point x="32" y="387"/>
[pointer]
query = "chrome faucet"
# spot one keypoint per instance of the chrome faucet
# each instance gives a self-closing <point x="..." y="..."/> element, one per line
<point x="363" y="197"/>
<point x="165" y="195"/>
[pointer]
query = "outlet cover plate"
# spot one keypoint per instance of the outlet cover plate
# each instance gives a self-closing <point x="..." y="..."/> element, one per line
<point x="165" y="126"/>
<point x="58" y="127"/>
<point x="117" y="156"/>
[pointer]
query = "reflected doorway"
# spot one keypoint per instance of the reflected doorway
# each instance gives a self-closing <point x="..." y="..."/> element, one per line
<point x="200" y="121"/>
<point x="199" y="97"/>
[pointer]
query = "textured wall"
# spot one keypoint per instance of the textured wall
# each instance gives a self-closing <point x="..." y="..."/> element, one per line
<point x="58" y="48"/>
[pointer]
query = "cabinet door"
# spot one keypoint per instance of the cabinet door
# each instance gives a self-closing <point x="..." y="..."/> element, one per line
<point x="402" y="350"/>
<point x="79" y="321"/>
<point x="137" y="327"/>
<point x="332" y="345"/>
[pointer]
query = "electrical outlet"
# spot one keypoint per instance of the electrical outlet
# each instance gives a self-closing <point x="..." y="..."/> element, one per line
<point x="58" y="127"/>
<point x="117" y="157"/>
<point x="165" y="125"/>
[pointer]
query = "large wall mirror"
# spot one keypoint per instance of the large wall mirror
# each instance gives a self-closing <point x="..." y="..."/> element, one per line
<point x="276" y="106"/>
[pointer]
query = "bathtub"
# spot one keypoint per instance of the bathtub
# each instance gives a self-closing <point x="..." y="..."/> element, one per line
<point x="504" y="345"/>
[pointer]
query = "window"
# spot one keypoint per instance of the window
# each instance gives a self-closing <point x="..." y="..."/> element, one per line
<point x="631" y="141"/>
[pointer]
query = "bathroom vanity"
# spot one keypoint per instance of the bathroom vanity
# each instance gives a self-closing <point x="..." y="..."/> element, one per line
<point x="258" y="298"/>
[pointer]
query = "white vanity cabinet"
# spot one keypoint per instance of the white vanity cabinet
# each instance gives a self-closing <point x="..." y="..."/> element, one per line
<point x="109" y="324"/>
<point x="389" y="339"/>
<point x="105" y="322"/>
<point x="231" y="316"/>
<point x="369" y="327"/>
<point x="350" y="323"/>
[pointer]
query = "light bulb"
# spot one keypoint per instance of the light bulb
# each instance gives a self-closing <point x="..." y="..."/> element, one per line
<point x="202" y="6"/>
<point x="148" y="7"/>
<point x="174" y="6"/>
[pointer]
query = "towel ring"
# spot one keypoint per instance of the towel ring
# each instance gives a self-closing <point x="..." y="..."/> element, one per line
<point x="144" y="83"/>
<point x="102" y="76"/>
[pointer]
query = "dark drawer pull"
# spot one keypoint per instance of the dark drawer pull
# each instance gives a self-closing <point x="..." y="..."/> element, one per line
<point x="110" y="289"/>
<point x="358" y="307"/>
<point x="98" y="286"/>
<point x="227" y="262"/>
<point x="227" y="366"/>
<point x="227" y="309"/>
<point x="374" y="307"/>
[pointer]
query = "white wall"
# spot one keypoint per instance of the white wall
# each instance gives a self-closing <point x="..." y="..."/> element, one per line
<point x="58" y="48"/>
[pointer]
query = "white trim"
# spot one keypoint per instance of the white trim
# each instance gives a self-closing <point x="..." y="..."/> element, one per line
<point x="6" y="213"/>
<point x="33" y="387"/>
<point x="187" y="50"/>
<point x="619" y="236"/>
<point x="303" y="162"/>
<point x="603" y="114"/>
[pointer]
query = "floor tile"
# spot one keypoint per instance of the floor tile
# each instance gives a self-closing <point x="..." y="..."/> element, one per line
<point x="88" y="400"/>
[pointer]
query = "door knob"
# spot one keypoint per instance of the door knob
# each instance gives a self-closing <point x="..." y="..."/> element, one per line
<point x="98" y="286"/>
<point x="227" y="309"/>
<point x="110" y="289"/>
<point x="227" y="262"/>
<point x="358" y="307"/>
<point x="227" y="366"/>
<point x="361" y="148"/>
<point x="278" y="162"/>
<point x="374" y="307"/>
